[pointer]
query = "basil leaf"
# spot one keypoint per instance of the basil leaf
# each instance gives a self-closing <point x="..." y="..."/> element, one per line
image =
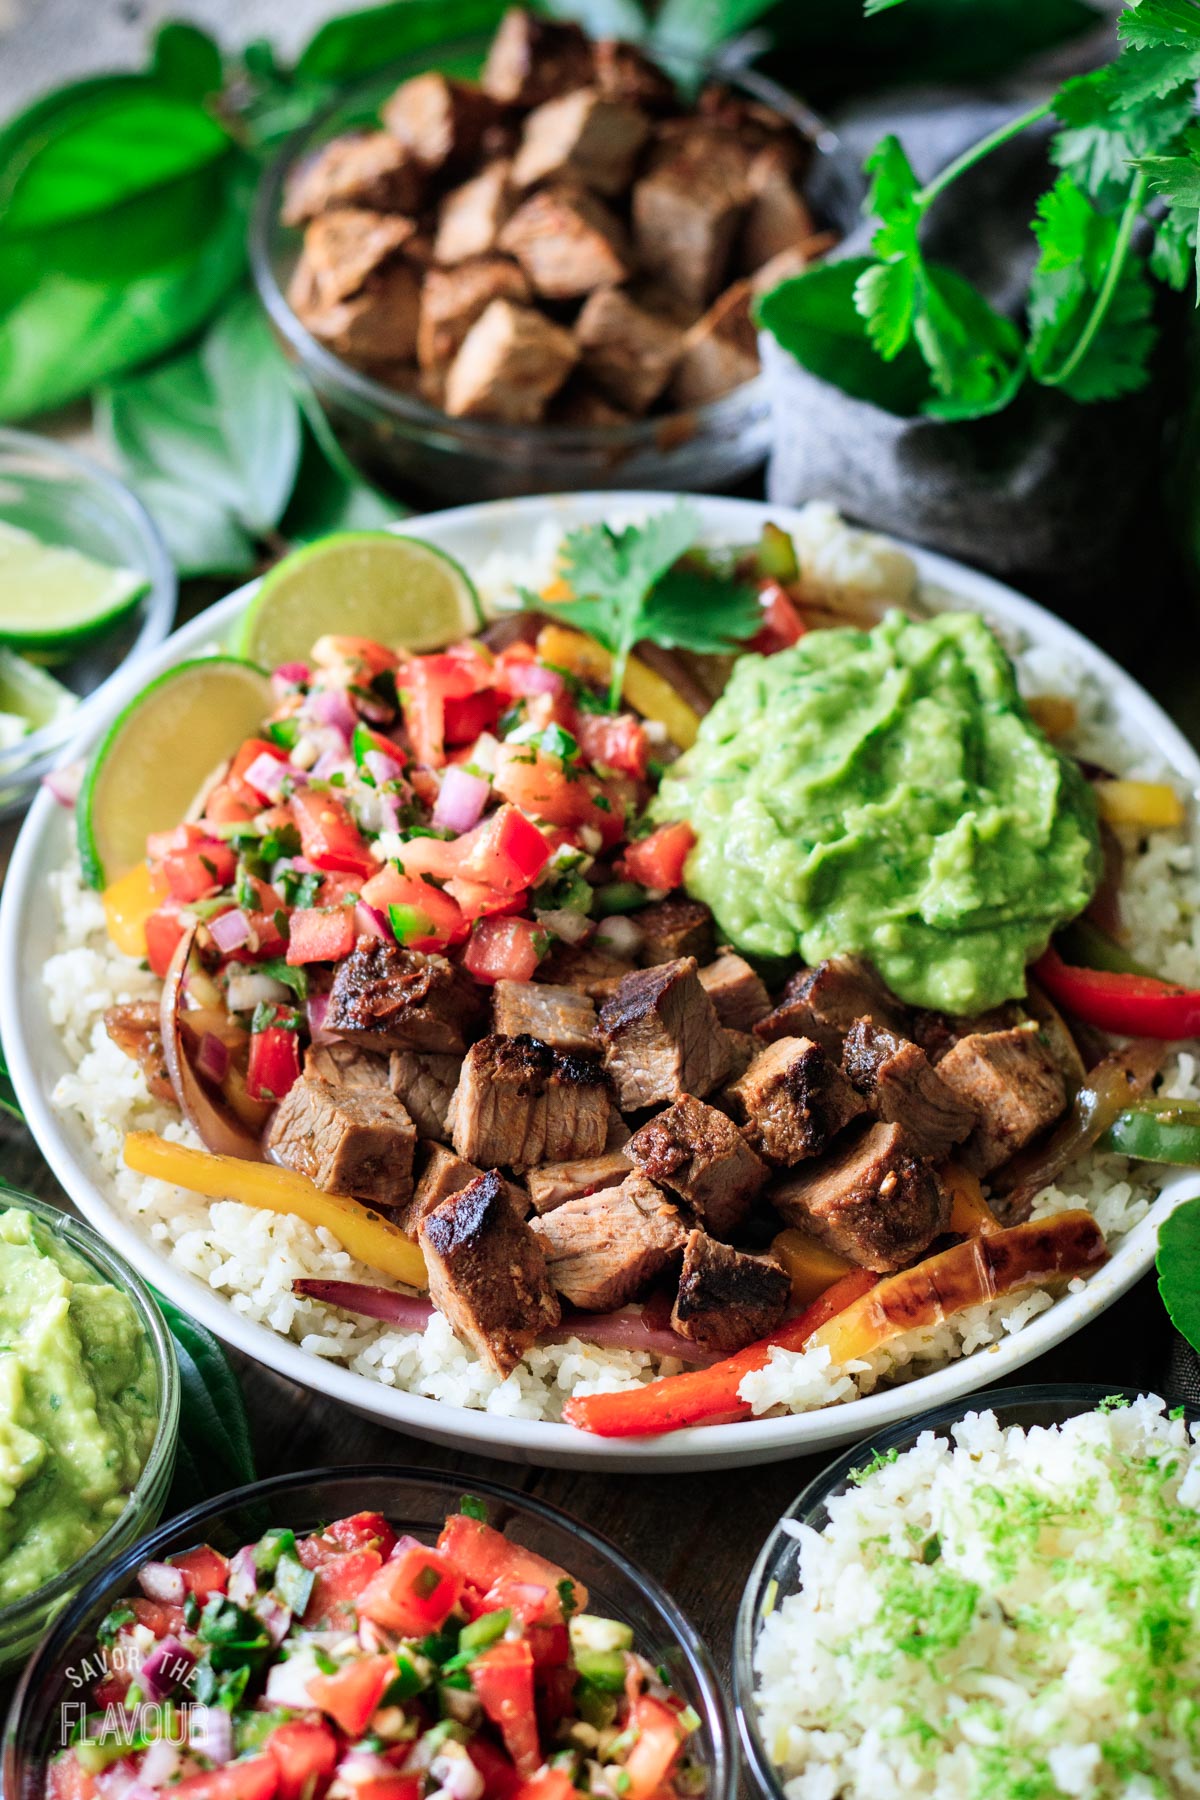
<point x="186" y="61"/>
<point x="202" y="535"/>
<point x="215" y="1451"/>
<point x="813" y="317"/>
<point x="360" y="42"/>
<point x="1179" y="1269"/>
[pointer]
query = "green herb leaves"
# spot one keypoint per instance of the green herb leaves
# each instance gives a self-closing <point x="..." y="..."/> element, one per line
<point x="1179" y="1269"/>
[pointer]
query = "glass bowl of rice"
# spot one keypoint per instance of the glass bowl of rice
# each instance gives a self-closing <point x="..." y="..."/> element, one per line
<point x="998" y="1597"/>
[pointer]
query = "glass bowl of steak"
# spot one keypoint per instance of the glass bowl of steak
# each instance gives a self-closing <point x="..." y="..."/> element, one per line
<point x="543" y="279"/>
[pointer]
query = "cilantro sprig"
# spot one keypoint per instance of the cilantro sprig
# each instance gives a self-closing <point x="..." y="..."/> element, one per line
<point x="633" y="584"/>
<point x="1127" y="161"/>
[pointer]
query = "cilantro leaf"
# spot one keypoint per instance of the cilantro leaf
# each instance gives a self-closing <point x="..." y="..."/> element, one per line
<point x="1176" y="180"/>
<point x="885" y="296"/>
<point x="1179" y="1269"/>
<point x="1077" y="244"/>
<point x="1154" y="22"/>
<point x="894" y="199"/>
<point x="696" y="609"/>
<point x="1107" y="127"/>
<point x="974" y="354"/>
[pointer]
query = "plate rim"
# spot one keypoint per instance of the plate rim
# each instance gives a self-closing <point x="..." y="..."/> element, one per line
<point x="502" y="1435"/>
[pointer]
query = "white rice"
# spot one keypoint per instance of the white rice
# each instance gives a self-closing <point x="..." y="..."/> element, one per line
<point x="1010" y="1616"/>
<point x="253" y="1257"/>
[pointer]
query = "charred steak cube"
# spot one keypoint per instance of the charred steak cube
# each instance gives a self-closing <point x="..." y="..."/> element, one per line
<point x="509" y="364"/>
<point x="452" y="300"/>
<point x="701" y="1155"/>
<point x="743" y="1048"/>
<point x="470" y="216"/>
<point x="896" y="1077"/>
<point x="567" y="241"/>
<point x="793" y="1100"/>
<point x="687" y="208"/>
<point x="674" y="928"/>
<point x="872" y="1201"/>
<point x="589" y="968"/>
<point x="720" y="351"/>
<point x="624" y="73"/>
<point x="519" y="1103"/>
<point x="627" y="350"/>
<point x="584" y="136"/>
<point x="424" y="1082"/>
<point x="823" y="1003"/>
<point x="726" y="1298"/>
<point x="560" y="1016"/>
<point x="343" y="247"/>
<point x="377" y="324"/>
<point x="555" y="1183"/>
<point x="349" y="1064"/>
<point x="662" y="1037"/>
<point x="603" y="1249"/>
<point x="389" y="998"/>
<point x="440" y="122"/>
<point x="1013" y="1085"/>
<point x="487" y="1273"/>
<point x="371" y="170"/>
<point x="778" y="216"/>
<point x="440" y="1173"/>
<point x="348" y="1140"/>
<point x="739" y="995"/>
<point x="532" y="59"/>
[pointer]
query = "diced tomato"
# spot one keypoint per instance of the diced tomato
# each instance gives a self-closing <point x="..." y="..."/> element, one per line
<point x="505" y="852"/>
<point x="231" y="803"/>
<point x="555" y="1695"/>
<point x="657" y="861"/>
<point x="320" y="934"/>
<point x="486" y="1558"/>
<point x="375" y="740"/>
<point x="204" y="1570"/>
<point x="428" y="682"/>
<point x="158" y="1616"/>
<point x="551" y="1645"/>
<point x="249" y="754"/>
<point x="425" y="917"/>
<point x="190" y="874"/>
<point x="365" y="653"/>
<point x="510" y="669"/>
<point x="352" y="1695"/>
<point x="617" y="743"/>
<point x="257" y="1778"/>
<point x="340" y="1580"/>
<point x="376" y="1785"/>
<point x="439" y="857"/>
<point x="543" y="786"/>
<point x="66" y="1780"/>
<point x="504" y="949"/>
<point x="653" y="1756"/>
<point x="305" y="1754"/>
<point x="500" y="1779"/>
<point x="362" y="1531"/>
<point x="502" y="1677"/>
<point x="782" y="624"/>
<point x="464" y="719"/>
<point x="475" y="901"/>
<point x="180" y="837"/>
<point x="164" y="929"/>
<point x="414" y="1592"/>
<point x="548" y="1784"/>
<point x="328" y="835"/>
<point x="267" y="935"/>
<point x="274" y="1063"/>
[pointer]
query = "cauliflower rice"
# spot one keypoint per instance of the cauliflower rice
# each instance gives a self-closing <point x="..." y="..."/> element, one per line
<point x="253" y="1257"/>
<point x="1010" y="1615"/>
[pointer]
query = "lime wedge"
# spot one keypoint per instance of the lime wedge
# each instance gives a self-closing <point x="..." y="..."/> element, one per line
<point x="29" y="697"/>
<point x="52" y="598"/>
<point x="156" y="756"/>
<point x="371" y="584"/>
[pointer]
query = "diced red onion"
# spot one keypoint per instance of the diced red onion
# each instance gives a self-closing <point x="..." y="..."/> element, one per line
<point x="210" y="1732"/>
<point x="328" y="763"/>
<point x="534" y="678"/>
<point x="119" y="1782"/>
<point x="461" y="800"/>
<point x="287" y="1682"/>
<point x="212" y="1058"/>
<point x="452" y="1768"/>
<point x="407" y="1542"/>
<point x="290" y="675"/>
<point x="571" y="926"/>
<point x="302" y="866"/>
<point x="383" y="768"/>
<point x="230" y="930"/>
<point x="243" y="1576"/>
<point x="162" y="1581"/>
<point x="370" y="922"/>
<point x="160" y="1763"/>
<point x="166" y="1666"/>
<point x="248" y="988"/>
<point x="330" y="706"/>
<point x="65" y="783"/>
<point x="275" y="1617"/>
<point x="625" y="935"/>
<point x="266" y="775"/>
<point x="411" y="1312"/>
<point x="389" y="811"/>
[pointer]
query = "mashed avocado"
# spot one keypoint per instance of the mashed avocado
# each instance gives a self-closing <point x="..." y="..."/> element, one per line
<point x="885" y="792"/>
<point x="78" y="1405"/>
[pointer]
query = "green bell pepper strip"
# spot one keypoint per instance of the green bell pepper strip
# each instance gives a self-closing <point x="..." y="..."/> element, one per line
<point x="1160" y="1131"/>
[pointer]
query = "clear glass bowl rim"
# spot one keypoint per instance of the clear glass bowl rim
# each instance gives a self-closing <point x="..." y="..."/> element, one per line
<point x="1067" y="1398"/>
<point x="34" y="755"/>
<point x="483" y="435"/>
<point x="719" y="1710"/>
<point x="89" y="1245"/>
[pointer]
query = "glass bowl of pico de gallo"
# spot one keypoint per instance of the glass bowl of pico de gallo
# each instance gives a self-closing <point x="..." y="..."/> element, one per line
<point x="379" y="1633"/>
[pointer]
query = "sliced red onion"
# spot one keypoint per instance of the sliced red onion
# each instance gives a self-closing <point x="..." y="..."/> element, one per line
<point x="243" y="1576"/>
<point x="267" y="774"/>
<point x="331" y="706"/>
<point x="65" y="783"/>
<point x="166" y="1666"/>
<point x="160" y="1763"/>
<point x="212" y="1058"/>
<point x="383" y="768"/>
<point x="411" y="1312"/>
<point x="461" y="800"/>
<point x="274" y="1616"/>
<point x="534" y="678"/>
<point x="571" y="926"/>
<point x="162" y="1581"/>
<point x="370" y="922"/>
<point x="210" y="1732"/>
<point x="230" y="930"/>
<point x="249" y="987"/>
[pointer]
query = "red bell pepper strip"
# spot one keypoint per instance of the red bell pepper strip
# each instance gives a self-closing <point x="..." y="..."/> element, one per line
<point x="702" y="1396"/>
<point x="1133" y="1005"/>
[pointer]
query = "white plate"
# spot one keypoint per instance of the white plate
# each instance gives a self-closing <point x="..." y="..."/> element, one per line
<point x="36" y="1058"/>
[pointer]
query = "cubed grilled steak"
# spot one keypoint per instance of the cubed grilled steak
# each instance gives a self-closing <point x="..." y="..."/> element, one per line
<point x="896" y="1077"/>
<point x="793" y="1099"/>
<point x="487" y="1273"/>
<point x="555" y="1183"/>
<point x="559" y="1016"/>
<point x="727" y="1299"/>
<point x="701" y="1155"/>
<point x="519" y="1103"/>
<point x="661" y="1036"/>
<point x="424" y="1081"/>
<point x="938" y="1032"/>
<point x="388" y="998"/>
<point x="1014" y="1086"/>
<point x="349" y="1140"/>
<point x="348" y="1064"/>
<point x="603" y="1249"/>
<point x="871" y="1200"/>
<point x="739" y="995"/>
<point x="674" y="928"/>
<point x="440" y="1173"/>
<point x="134" y="1028"/>
<point x="588" y="968"/>
<point x="823" y="1003"/>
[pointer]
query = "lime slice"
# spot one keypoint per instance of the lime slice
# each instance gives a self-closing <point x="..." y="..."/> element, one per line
<point x="156" y="756"/>
<point x="29" y="697"/>
<point x="371" y="584"/>
<point x="52" y="599"/>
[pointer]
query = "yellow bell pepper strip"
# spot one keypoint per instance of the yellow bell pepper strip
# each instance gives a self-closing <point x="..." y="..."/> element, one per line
<point x="365" y="1234"/>
<point x="984" y="1267"/>
<point x="810" y="1266"/>
<point x="1053" y="713"/>
<point x="128" y="903"/>
<point x="648" y="692"/>
<point x="970" y="1214"/>
<point x="1152" y="805"/>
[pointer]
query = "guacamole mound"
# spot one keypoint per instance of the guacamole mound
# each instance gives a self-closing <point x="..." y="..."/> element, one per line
<point x="78" y="1405"/>
<point x="886" y="792"/>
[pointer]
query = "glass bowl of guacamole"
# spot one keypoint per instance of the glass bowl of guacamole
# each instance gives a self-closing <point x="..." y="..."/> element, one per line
<point x="89" y="1414"/>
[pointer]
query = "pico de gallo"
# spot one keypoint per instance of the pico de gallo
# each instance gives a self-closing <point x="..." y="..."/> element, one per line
<point x="358" y="1664"/>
